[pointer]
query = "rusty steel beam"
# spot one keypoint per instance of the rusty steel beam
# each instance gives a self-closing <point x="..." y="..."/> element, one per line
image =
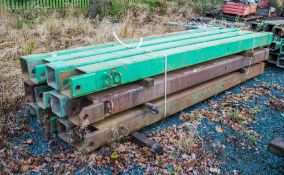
<point x="136" y="118"/>
<point x="29" y="88"/>
<point x="276" y="146"/>
<point x="98" y="106"/>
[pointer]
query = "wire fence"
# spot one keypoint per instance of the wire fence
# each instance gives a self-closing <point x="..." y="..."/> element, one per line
<point x="10" y="5"/>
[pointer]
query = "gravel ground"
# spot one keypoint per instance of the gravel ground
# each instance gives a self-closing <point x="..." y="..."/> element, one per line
<point x="269" y="123"/>
<point x="234" y="151"/>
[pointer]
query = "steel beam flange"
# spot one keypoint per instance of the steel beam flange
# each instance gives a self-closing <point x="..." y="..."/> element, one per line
<point x="29" y="88"/>
<point x="42" y="95"/>
<point x="59" y="103"/>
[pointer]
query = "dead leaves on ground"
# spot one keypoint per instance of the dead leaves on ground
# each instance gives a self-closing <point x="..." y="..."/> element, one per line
<point x="233" y="110"/>
<point x="184" y="153"/>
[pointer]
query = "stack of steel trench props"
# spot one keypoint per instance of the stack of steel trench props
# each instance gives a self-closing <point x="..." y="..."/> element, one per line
<point x="276" y="56"/>
<point x="91" y="95"/>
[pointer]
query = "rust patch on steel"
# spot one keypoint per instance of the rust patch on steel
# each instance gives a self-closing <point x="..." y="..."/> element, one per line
<point x="128" y="96"/>
<point x="136" y="118"/>
<point x="29" y="88"/>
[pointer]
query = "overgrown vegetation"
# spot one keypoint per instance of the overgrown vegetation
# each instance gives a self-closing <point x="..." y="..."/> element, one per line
<point x="161" y="7"/>
<point x="45" y="30"/>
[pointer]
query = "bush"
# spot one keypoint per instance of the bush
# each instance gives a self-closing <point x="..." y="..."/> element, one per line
<point x="118" y="7"/>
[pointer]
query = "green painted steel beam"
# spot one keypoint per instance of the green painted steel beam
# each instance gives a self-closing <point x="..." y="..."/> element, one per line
<point x="39" y="72"/>
<point x="42" y="96"/>
<point x="45" y="102"/>
<point x="114" y="73"/>
<point x="52" y="122"/>
<point x="54" y="71"/>
<point x="282" y="49"/>
<point x="119" y="47"/>
<point x="275" y="46"/>
<point x="39" y="57"/>
<point x="29" y="62"/>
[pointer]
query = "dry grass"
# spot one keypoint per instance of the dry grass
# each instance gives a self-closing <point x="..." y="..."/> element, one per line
<point x="53" y="32"/>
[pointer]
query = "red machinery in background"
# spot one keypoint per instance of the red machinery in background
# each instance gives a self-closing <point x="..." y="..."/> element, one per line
<point x="239" y="8"/>
<point x="263" y="3"/>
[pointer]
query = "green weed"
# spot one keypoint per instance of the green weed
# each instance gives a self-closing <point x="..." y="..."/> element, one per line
<point x="31" y="45"/>
<point x="255" y="109"/>
<point x="252" y="139"/>
<point x="237" y="117"/>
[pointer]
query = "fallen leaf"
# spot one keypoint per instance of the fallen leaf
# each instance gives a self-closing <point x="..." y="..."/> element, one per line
<point x="219" y="129"/>
<point x="215" y="170"/>
<point x="28" y="141"/>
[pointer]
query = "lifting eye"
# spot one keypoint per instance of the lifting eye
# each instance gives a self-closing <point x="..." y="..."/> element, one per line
<point x="108" y="79"/>
<point x="116" y="78"/>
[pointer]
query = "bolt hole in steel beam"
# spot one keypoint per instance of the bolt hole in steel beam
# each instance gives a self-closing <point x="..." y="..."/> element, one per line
<point x="78" y="88"/>
<point x="73" y="110"/>
<point x="91" y="144"/>
<point x="40" y="95"/>
<point x="86" y="116"/>
<point x="108" y="109"/>
<point x="43" y="75"/>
